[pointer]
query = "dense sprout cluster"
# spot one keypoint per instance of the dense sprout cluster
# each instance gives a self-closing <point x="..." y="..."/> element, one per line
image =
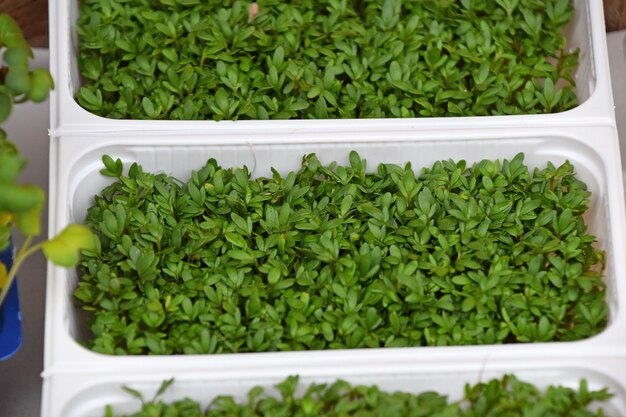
<point x="275" y="59"/>
<point x="338" y="257"/>
<point x="505" y="397"/>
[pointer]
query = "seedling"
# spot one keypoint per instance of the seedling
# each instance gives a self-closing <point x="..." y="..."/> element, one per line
<point x="506" y="396"/>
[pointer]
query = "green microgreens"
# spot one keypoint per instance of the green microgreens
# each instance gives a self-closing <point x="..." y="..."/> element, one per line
<point x="191" y="59"/>
<point x="336" y="257"/>
<point x="505" y="397"/>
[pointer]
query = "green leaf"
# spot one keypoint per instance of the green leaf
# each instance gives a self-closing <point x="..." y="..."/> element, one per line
<point x="63" y="249"/>
<point x="18" y="82"/>
<point x="88" y="97"/>
<point x="395" y="71"/>
<point x="164" y="387"/>
<point x="133" y="392"/>
<point x="11" y="166"/>
<point x="41" y="84"/>
<point x="355" y="162"/>
<point x="240" y="255"/>
<point x="148" y="107"/>
<point x="17" y="56"/>
<point x="15" y="198"/>
<point x="29" y="222"/>
<point x="6" y="105"/>
<point x="346" y="204"/>
<point x="114" y="168"/>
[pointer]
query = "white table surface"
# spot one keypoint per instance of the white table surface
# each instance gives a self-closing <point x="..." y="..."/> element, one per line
<point x="20" y="380"/>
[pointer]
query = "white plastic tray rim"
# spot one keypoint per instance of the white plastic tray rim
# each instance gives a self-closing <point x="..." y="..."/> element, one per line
<point x="74" y="173"/>
<point x="87" y="395"/>
<point x="586" y="32"/>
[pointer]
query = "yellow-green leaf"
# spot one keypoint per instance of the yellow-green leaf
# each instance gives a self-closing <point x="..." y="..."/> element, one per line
<point x="63" y="249"/>
<point x="29" y="222"/>
<point x="60" y="254"/>
<point x="78" y="235"/>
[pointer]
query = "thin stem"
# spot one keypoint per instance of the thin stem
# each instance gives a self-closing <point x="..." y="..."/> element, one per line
<point x="22" y="254"/>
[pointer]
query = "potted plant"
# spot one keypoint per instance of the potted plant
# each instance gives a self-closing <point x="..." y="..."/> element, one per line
<point x="21" y="204"/>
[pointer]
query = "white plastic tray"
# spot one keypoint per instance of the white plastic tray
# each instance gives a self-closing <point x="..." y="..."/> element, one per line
<point x="616" y="42"/>
<point x="75" y="178"/>
<point x="586" y="32"/>
<point x="87" y="395"/>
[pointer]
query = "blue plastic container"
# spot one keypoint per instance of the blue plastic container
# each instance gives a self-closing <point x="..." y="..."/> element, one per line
<point x="10" y="316"/>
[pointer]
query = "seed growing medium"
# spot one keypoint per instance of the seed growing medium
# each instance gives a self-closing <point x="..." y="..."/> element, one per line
<point x="275" y="59"/>
<point x="505" y="397"/>
<point x="336" y="257"/>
